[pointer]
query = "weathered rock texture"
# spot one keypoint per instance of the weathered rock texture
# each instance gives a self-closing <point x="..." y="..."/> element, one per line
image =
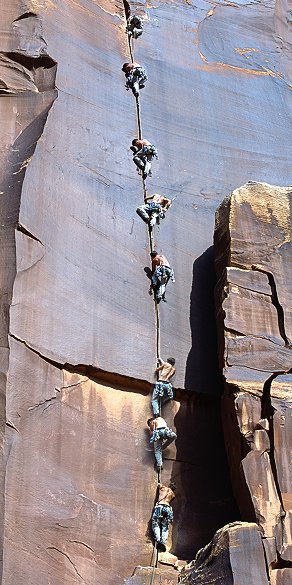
<point x="79" y="482"/>
<point x="227" y="560"/>
<point x="254" y="299"/>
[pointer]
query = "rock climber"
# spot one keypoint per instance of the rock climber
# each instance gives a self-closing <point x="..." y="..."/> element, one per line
<point x="155" y="210"/>
<point x="144" y="152"/>
<point x="162" y="514"/>
<point x="134" y="26"/>
<point x="163" y="388"/>
<point x="161" y="437"/>
<point x="135" y="77"/>
<point x="161" y="273"/>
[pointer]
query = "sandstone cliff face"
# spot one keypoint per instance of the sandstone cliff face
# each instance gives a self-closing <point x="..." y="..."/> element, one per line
<point x="77" y="326"/>
<point x="254" y="292"/>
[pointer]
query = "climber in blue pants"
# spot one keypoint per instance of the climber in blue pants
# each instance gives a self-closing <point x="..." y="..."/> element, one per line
<point x="163" y="388"/>
<point x="134" y="26"/>
<point x="154" y="211"/>
<point x="162" y="514"/>
<point x="161" y="437"/>
<point x="144" y="152"/>
<point x="135" y="77"/>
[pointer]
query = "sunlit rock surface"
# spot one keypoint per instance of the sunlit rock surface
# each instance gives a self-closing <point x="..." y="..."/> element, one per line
<point x="254" y="292"/>
<point x="227" y="559"/>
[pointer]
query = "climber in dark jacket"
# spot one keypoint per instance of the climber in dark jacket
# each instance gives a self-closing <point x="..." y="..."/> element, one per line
<point x="144" y="152"/>
<point x="134" y="26"/>
<point x="135" y="77"/>
<point x="162" y="514"/>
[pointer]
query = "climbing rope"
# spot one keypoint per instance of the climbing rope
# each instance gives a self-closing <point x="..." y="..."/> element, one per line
<point x="154" y="566"/>
<point x="139" y="125"/>
<point x="154" y="558"/>
<point x="130" y="49"/>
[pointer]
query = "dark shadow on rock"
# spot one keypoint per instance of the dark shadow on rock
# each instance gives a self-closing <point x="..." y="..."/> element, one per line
<point x="202" y="372"/>
<point x="204" y="501"/>
<point x="148" y="272"/>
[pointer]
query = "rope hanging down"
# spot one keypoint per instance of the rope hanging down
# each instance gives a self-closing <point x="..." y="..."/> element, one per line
<point x="157" y="320"/>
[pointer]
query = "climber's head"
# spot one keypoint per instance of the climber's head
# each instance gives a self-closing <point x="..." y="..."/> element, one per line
<point x="125" y="67"/>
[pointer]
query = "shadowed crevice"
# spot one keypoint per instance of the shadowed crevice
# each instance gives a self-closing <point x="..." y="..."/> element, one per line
<point x="23" y="230"/>
<point x="268" y="413"/>
<point x="204" y="501"/>
<point x="276" y="303"/>
<point x="24" y="16"/>
<point x="21" y="73"/>
<point x="32" y="63"/>
<point x="202" y="370"/>
<point x="127" y="9"/>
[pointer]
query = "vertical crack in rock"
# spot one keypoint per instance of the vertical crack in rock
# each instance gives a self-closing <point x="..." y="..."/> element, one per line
<point x="268" y="413"/>
<point x="276" y="303"/>
<point x="127" y="9"/>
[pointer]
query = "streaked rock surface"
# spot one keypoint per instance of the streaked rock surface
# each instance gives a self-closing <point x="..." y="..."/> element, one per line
<point x="254" y="292"/>
<point x="227" y="559"/>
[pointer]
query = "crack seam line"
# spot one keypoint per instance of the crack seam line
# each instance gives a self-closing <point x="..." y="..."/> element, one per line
<point x="275" y="302"/>
<point x="91" y="372"/>
<point x="150" y="232"/>
<point x="157" y="320"/>
<point x="67" y="556"/>
<point x="268" y="411"/>
<point x="241" y="335"/>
